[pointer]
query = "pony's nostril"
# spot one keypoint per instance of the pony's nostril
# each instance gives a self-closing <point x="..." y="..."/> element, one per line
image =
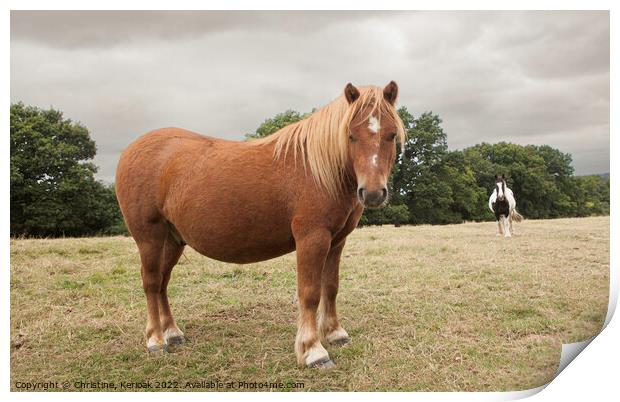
<point x="384" y="192"/>
<point x="361" y="193"/>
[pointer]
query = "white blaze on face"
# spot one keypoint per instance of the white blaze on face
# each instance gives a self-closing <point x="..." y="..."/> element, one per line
<point x="373" y="124"/>
<point x="374" y="160"/>
<point x="500" y="191"/>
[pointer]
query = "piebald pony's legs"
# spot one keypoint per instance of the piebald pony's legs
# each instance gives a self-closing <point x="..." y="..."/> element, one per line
<point x="500" y="231"/>
<point x="506" y="226"/>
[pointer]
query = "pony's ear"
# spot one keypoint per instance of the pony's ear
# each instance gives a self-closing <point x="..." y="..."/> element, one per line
<point x="503" y="176"/>
<point x="351" y="93"/>
<point x="496" y="176"/>
<point x="390" y="92"/>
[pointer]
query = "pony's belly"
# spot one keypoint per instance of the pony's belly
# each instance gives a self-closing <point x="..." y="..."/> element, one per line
<point x="233" y="236"/>
<point x="242" y="253"/>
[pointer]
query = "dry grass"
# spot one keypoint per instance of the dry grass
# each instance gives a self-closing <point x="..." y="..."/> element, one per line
<point x="428" y="308"/>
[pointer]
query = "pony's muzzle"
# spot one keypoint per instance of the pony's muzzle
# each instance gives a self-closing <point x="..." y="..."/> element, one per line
<point x="372" y="199"/>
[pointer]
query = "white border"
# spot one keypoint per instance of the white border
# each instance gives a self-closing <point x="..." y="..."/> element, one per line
<point x="593" y="374"/>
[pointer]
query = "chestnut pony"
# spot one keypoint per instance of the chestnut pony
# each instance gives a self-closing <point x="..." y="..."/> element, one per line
<point x="303" y="188"/>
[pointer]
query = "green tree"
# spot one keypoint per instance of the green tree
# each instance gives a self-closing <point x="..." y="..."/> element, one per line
<point x="53" y="190"/>
<point x="425" y="146"/>
<point x="469" y="199"/>
<point x="538" y="175"/>
<point x="422" y="179"/>
<point x="275" y="123"/>
<point x="589" y="195"/>
<point x="389" y="215"/>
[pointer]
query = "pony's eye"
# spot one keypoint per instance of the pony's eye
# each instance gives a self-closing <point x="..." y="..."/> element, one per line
<point x="351" y="138"/>
<point x="391" y="136"/>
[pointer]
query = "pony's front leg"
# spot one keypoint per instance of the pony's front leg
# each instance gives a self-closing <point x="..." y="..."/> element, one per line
<point x="500" y="231"/>
<point x="507" y="230"/>
<point x="312" y="249"/>
<point x="330" y="328"/>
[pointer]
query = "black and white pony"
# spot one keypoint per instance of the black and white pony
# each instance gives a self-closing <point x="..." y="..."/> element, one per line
<point x="503" y="204"/>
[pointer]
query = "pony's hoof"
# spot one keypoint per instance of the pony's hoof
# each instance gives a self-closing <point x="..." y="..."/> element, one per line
<point x="176" y="340"/>
<point x="338" y="337"/>
<point x="340" y="342"/>
<point x="157" y="349"/>
<point x="323" y="364"/>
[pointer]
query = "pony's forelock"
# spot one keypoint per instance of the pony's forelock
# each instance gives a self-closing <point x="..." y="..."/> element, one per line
<point x="322" y="139"/>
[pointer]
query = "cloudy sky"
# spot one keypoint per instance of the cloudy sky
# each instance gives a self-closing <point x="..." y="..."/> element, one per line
<point x="524" y="77"/>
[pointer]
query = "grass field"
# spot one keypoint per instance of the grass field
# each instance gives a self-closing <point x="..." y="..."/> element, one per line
<point x="433" y="308"/>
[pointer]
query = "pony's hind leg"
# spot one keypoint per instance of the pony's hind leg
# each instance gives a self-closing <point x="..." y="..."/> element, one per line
<point x="171" y="253"/>
<point x="158" y="253"/>
<point x="312" y="249"/>
<point x="330" y="328"/>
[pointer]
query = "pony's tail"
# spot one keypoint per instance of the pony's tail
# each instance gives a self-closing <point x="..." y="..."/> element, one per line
<point x="517" y="217"/>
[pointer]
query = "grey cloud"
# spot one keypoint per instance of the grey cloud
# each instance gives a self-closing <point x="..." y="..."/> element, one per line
<point x="87" y="29"/>
<point x="526" y="77"/>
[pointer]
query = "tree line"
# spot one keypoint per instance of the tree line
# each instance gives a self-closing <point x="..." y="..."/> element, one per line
<point x="433" y="185"/>
<point x="54" y="191"/>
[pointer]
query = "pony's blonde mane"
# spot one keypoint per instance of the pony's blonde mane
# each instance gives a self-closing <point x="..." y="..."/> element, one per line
<point x="321" y="140"/>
